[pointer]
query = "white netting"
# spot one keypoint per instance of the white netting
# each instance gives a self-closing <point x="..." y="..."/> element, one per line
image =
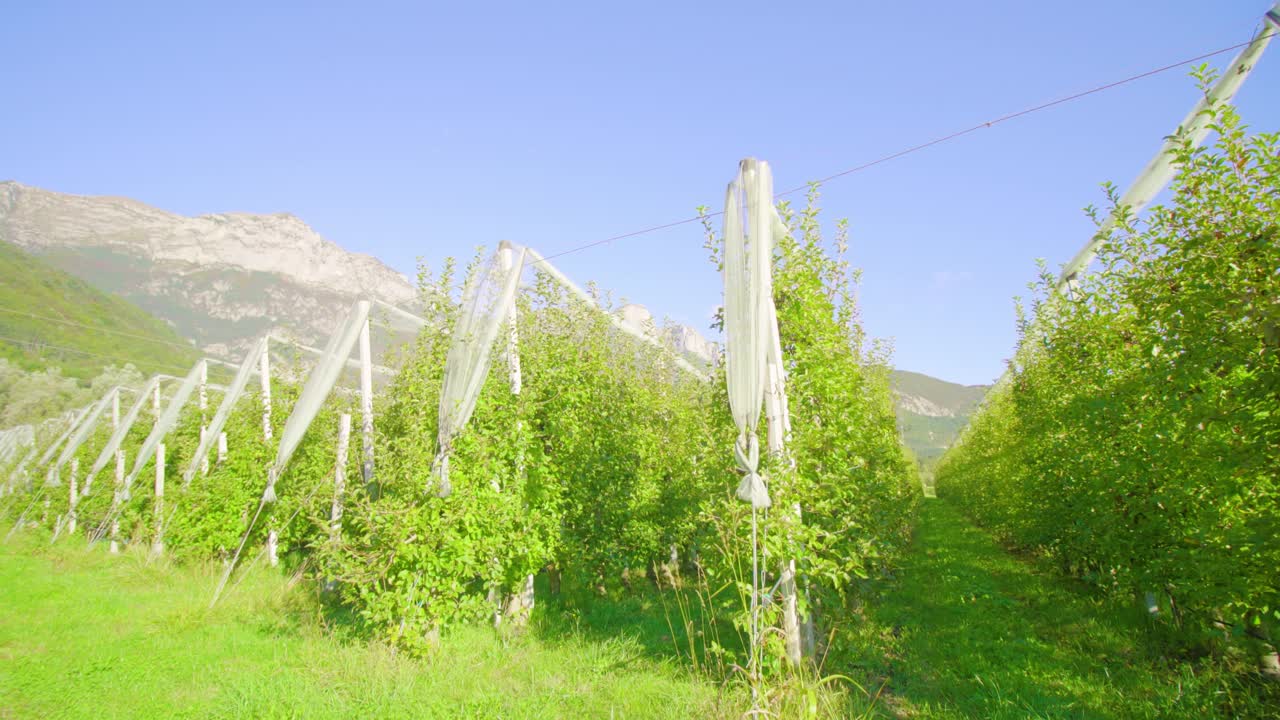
<point x="163" y="425"/>
<point x="319" y="384"/>
<point x="77" y="416"/>
<point x="486" y="302"/>
<point x="122" y="429"/>
<point x="1160" y="171"/>
<point x="86" y="427"/>
<point x="775" y="393"/>
<point x="750" y="327"/>
<point x="15" y="438"/>
<point x="229" y="400"/>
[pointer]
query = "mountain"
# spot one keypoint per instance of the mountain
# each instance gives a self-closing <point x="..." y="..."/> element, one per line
<point x="50" y="318"/>
<point x="686" y="340"/>
<point x="932" y="412"/>
<point x="221" y="280"/>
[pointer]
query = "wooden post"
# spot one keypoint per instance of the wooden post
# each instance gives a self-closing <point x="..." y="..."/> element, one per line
<point x="204" y="406"/>
<point x="222" y="447"/>
<point x="157" y="547"/>
<point x="507" y="258"/>
<point x="115" y="502"/>
<point x="366" y="403"/>
<point x="204" y="387"/>
<point x="521" y="603"/>
<point x="75" y="495"/>
<point x="340" y="477"/>
<point x="790" y="618"/>
<point x="273" y="548"/>
<point x="264" y="369"/>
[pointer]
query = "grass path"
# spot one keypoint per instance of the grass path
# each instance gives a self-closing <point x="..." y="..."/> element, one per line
<point x="971" y="631"/>
<point x="84" y="635"/>
<point x="965" y="630"/>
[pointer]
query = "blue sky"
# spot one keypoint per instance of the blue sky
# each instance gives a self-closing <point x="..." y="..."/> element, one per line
<point x="423" y="129"/>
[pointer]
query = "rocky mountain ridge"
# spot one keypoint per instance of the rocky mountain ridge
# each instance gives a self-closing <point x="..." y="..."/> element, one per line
<point x="278" y="243"/>
<point x="221" y="279"/>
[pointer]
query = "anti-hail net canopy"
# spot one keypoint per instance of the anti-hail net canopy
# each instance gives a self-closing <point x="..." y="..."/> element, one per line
<point x="749" y="317"/>
<point x="486" y="302"/>
<point x="224" y="410"/>
<point x="126" y="424"/>
<point x="319" y="384"/>
<point x="77" y="416"/>
<point x="164" y="424"/>
<point x="86" y="427"/>
<point x="14" y="438"/>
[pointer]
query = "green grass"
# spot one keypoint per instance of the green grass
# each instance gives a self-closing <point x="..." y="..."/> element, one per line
<point x="86" y="635"/>
<point x="970" y="631"/>
<point x="97" y="329"/>
<point x="965" y="630"/>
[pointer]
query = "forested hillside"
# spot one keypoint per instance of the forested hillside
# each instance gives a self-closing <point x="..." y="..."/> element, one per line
<point x="51" y="319"/>
<point x="63" y="343"/>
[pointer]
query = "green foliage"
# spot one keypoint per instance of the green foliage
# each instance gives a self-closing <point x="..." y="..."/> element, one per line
<point x="968" y="630"/>
<point x="591" y="469"/>
<point x="609" y="460"/>
<point x="1137" y="439"/>
<point x="855" y="485"/>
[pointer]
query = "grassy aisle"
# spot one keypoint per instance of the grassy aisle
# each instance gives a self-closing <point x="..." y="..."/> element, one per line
<point x="84" y="635"/>
<point x="970" y="631"/>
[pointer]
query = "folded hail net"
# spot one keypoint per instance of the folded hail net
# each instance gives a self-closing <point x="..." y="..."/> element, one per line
<point x="486" y="304"/>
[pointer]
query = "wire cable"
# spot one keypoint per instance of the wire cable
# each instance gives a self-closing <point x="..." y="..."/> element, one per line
<point x="99" y="329"/>
<point x="32" y="344"/>
<point x="922" y="146"/>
